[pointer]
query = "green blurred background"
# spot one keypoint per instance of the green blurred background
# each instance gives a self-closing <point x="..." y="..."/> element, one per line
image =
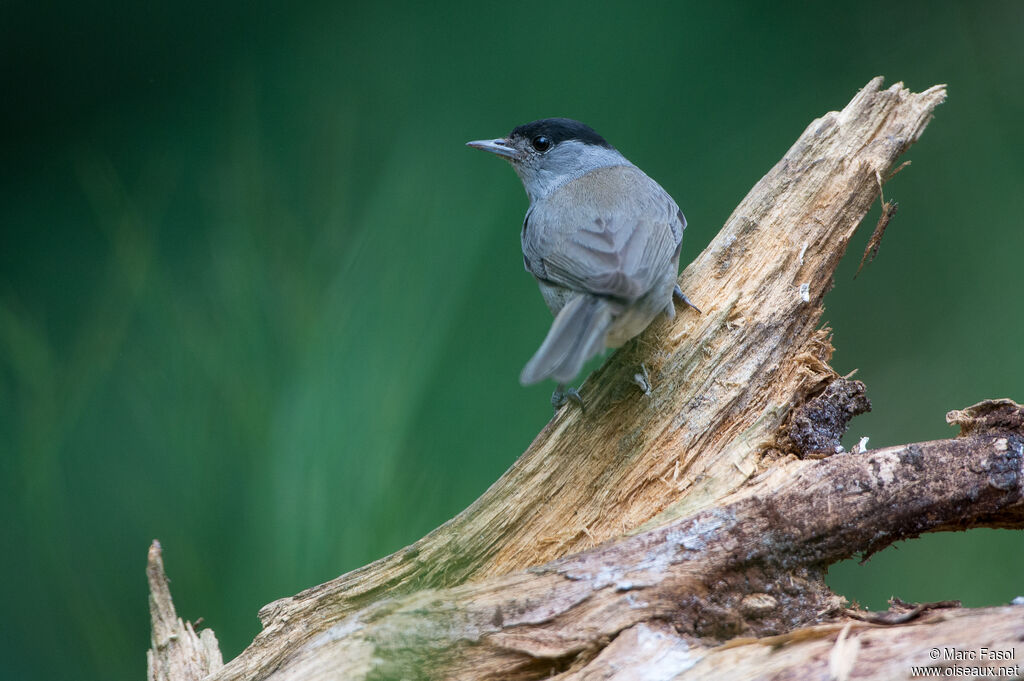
<point x="258" y="301"/>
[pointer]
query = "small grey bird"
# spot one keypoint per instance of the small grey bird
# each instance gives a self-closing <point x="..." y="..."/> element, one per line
<point x="600" y="237"/>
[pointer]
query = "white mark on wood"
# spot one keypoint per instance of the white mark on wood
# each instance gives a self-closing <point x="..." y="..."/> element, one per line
<point x="802" y="252"/>
<point x="663" y="657"/>
<point x="343" y="629"/>
<point x="805" y="292"/>
<point x="636" y="604"/>
<point x="758" y="605"/>
<point x="888" y="463"/>
<point x="843" y="655"/>
<point x="656" y="562"/>
<point x="748" y="472"/>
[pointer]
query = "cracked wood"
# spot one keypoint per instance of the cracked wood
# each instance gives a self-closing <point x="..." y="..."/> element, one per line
<point x="698" y="574"/>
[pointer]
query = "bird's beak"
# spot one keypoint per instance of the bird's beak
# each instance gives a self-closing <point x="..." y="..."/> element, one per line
<point x="499" y="147"/>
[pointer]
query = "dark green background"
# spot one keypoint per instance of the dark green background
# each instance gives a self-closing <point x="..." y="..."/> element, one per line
<point x="257" y="300"/>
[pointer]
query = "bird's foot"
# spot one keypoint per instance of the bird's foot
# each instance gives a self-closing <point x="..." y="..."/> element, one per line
<point x="563" y="395"/>
<point x="678" y="294"/>
<point x="643" y="380"/>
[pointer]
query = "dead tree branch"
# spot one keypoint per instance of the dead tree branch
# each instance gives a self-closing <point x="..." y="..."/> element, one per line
<point x="831" y="651"/>
<point x="177" y="652"/>
<point x="751" y="566"/>
<point x="710" y="554"/>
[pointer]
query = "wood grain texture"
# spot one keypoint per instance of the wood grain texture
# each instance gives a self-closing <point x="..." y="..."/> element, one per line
<point x="830" y="652"/>
<point x="723" y="383"/>
<point x="177" y="652"/>
<point x="752" y="566"/>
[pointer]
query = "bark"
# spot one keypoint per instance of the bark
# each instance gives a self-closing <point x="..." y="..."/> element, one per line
<point x="835" y="652"/>
<point x="752" y="566"/>
<point x="702" y="554"/>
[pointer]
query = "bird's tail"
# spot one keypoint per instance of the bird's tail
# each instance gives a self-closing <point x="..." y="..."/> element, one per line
<point x="576" y="335"/>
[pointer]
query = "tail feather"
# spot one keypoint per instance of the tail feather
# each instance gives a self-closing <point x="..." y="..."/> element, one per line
<point x="576" y="335"/>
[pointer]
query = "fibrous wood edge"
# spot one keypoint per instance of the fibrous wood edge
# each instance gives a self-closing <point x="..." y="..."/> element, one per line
<point x="751" y="566"/>
<point x="722" y="383"/>
<point x="177" y="653"/>
<point x="986" y="639"/>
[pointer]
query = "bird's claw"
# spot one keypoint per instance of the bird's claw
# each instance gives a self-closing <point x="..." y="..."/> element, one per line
<point x="563" y="395"/>
<point x="643" y="380"/>
<point x="678" y="294"/>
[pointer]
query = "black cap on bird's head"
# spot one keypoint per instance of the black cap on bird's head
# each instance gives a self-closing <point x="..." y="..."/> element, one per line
<point x="540" y="136"/>
<point x="559" y="130"/>
<point x="552" y="151"/>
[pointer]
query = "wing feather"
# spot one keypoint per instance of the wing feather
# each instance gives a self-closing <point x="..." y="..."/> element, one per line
<point x="607" y="241"/>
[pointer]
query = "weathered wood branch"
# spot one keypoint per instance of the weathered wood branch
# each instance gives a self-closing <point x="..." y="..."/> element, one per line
<point x="723" y="384"/>
<point x="671" y="468"/>
<point x="832" y="651"/>
<point x="658" y="603"/>
<point x="177" y="652"/>
<point x="751" y="566"/>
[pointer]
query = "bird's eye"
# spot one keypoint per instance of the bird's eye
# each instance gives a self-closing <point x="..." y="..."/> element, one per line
<point x="541" y="143"/>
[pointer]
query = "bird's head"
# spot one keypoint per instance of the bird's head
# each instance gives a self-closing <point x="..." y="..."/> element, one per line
<point x="552" y="151"/>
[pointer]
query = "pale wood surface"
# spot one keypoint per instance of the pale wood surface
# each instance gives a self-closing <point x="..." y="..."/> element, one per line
<point x="870" y="653"/>
<point x="177" y="652"/>
<point x="752" y="566"/>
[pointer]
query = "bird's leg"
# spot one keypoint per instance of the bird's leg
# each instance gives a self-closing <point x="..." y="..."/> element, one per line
<point x="678" y="294"/>
<point x="563" y="395"/>
<point x="643" y="380"/>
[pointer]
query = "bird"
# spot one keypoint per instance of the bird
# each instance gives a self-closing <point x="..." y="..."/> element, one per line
<point x="601" y="238"/>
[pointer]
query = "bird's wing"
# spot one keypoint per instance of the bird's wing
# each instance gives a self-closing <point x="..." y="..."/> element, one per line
<point x="605" y="240"/>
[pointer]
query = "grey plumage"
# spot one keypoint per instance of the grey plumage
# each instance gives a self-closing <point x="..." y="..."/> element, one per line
<point x="601" y="238"/>
<point x="619" y="251"/>
<point x="575" y="336"/>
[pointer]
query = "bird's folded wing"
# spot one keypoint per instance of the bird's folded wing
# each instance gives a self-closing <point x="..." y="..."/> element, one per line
<point x="614" y="243"/>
